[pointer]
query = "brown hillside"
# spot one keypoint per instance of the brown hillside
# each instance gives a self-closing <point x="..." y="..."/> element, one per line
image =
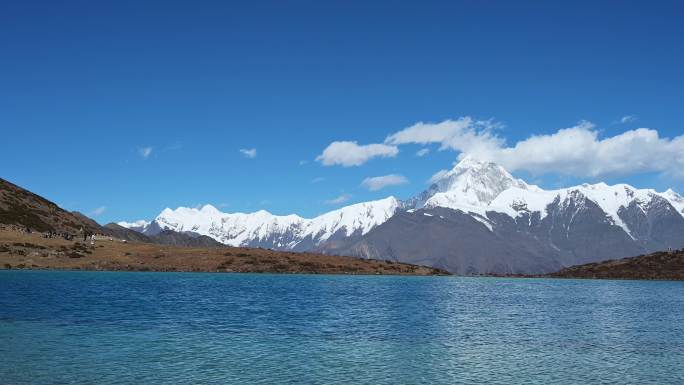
<point x="661" y="265"/>
<point x="23" y="208"/>
<point x="20" y="250"/>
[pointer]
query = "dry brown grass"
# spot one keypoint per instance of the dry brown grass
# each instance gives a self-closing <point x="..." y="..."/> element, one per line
<point x="656" y="266"/>
<point x="31" y="251"/>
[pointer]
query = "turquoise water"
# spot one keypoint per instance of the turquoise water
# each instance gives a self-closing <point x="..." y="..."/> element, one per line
<point x="134" y="328"/>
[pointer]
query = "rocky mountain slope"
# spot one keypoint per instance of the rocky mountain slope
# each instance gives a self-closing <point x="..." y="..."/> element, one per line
<point x="22" y="208"/>
<point x="474" y="219"/>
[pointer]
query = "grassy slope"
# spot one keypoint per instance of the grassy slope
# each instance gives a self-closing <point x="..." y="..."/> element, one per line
<point x="22" y="207"/>
<point x="31" y="251"/>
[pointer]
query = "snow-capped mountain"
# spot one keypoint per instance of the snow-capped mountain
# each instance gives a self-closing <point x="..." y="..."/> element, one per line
<point x="470" y="185"/>
<point x="138" y="226"/>
<point x="477" y="187"/>
<point x="675" y="199"/>
<point x="263" y="229"/>
<point x="475" y="218"/>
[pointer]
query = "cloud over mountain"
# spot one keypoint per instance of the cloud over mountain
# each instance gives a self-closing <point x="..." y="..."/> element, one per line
<point x="339" y="200"/>
<point x="577" y="151"/>
<point x="98" y="211"/>
<point x="347" y="154"/>
<point x="380" y="182"/>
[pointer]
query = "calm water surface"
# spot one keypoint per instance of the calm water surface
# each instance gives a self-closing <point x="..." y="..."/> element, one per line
<point x="131" y="328"/>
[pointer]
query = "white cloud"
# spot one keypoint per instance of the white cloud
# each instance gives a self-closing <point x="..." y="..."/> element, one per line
<point x="351" y="154"/>
<point x="575" y="151"/>
<point x="303" y="162"/>
<point x="317" y="179"/>
<point x="628" y="119"/>
<point x="379" y="182"/>
<point x="339" y="200"/>
<point x="145" y="152"/>
<point x="250" y="153"/>
<point x="462" y="134"/>
<point x="437" y="176"/>
<point x="422" y="152"/>
<point x="98" y="211"/>
<point x="579" y="151"/>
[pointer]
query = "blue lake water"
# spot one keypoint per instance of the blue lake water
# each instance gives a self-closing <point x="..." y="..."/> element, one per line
<point x="132" y="328"/>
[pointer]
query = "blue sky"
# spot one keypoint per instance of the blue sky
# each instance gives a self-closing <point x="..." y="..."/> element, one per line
<point x="129" y="108"/>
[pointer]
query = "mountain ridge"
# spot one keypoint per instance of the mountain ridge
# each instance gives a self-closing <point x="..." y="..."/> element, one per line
<point x="578" y="224"/>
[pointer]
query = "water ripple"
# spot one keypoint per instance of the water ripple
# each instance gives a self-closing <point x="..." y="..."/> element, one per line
<point x="168" y="328"/>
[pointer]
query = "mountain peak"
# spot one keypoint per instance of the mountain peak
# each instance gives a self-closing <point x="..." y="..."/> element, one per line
<point x="209" y="209"/>
<point x="472" y="182"/>
<point x="471" y="162"/>
<point x="672" y="193"/>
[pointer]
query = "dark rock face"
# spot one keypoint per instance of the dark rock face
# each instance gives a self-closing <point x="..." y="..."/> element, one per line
<point x="656" y="225"/>
<point x="582" y="232"/>
<point x="454" y="241"/>
<point x="170" y="237"/>
<point x="163" y="237"/>
<point x="121" y="232"/>
<point x="574" y="231"/>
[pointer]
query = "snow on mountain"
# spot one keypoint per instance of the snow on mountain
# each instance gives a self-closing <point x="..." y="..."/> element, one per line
<point x="475" y="183"/>
<point x="360" y="217"/>
<point x="478" y="187"/>
<point x="138" y="226"/>
<point x="262" y="228"/>
<point x="231" y="229"/>
<point x="473" y="187"/>
<point x="675" y="200"/>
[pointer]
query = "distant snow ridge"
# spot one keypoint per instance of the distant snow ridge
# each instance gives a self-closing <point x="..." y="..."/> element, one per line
<point x="675" y="199"/>
<point x="473" y="187"/>
<point x="138" y="226"/>
<point x="264" y="229"/>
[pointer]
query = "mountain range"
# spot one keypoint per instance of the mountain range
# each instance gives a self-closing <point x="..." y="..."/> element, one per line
<point x="474" y="219"/>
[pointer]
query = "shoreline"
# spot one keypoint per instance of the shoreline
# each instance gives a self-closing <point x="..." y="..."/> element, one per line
<point x="52" y="269"/>
<point x="28" y="268"/>
<point x="31" y="251"/>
